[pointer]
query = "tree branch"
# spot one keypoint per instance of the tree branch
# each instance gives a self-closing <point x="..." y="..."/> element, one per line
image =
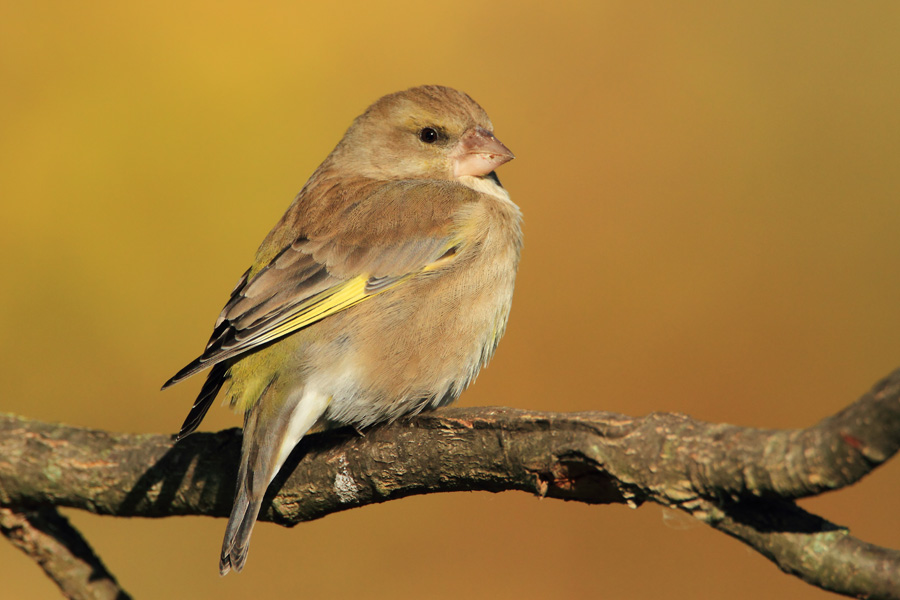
<point x="49" y="538"/>
<point x="739" y="480"/>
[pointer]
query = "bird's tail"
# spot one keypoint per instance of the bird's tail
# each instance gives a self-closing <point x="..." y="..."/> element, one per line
<point x="247" y="503"/>
<point x="272" y="427"/>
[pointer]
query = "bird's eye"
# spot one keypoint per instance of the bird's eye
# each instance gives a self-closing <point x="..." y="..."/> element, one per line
<point x="428" y="135"/>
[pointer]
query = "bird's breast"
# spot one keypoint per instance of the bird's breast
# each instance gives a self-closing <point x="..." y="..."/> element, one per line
<point x="420" y="344"/>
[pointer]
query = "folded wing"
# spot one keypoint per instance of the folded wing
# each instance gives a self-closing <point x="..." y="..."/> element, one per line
<point x="338" y="262"/>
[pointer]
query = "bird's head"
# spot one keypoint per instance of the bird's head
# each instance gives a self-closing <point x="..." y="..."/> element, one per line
<point x="426" y="132"/>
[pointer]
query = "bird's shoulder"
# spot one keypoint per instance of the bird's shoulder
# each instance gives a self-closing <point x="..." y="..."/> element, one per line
<point x="341" y="212"/>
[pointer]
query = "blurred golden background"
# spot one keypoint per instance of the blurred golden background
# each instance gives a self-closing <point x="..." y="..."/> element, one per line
<point x="712" y="215"/>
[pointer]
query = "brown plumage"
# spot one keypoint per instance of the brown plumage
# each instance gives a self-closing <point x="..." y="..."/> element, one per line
<point x="381" y="292"/>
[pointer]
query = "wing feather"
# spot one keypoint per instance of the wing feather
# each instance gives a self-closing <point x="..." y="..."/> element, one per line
<point x="372" y="238"/>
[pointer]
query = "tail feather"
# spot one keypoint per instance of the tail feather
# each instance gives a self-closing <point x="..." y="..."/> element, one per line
<point x="237" y="534"/>
<point x="270" y="433"/>
<point x="247" y="502"/>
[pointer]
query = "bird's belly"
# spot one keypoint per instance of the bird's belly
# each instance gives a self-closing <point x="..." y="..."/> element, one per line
<point x="426" y="342"/>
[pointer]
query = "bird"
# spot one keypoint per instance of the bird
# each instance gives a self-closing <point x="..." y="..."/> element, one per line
<point x="381" y="292"/>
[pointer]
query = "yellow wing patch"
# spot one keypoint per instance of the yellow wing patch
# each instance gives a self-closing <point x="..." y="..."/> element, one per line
<point x="343" y="296"/>
<point x="331" y="301"/>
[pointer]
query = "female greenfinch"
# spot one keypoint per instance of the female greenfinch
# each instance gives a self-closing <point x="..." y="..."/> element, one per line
<point x="380" y="293"/>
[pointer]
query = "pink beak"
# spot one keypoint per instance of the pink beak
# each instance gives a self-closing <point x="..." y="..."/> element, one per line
<point x="478" y="153"/>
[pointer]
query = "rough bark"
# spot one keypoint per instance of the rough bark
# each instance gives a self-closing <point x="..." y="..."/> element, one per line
<point x="48" y="538"/>
<point x="742" y="481"/>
